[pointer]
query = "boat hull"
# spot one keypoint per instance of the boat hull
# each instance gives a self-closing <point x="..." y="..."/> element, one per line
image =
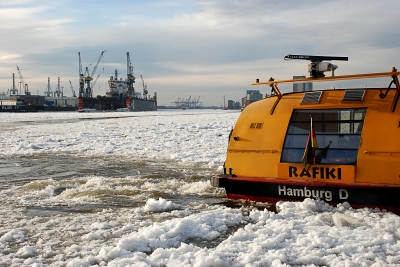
<point x="273" y="190"/>
<point x="19" y="109"/>
<point x="111" y="103"/>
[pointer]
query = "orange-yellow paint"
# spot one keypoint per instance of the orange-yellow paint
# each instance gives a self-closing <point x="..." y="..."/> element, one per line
<point x="317" y="172"/>
<point x="256" y="152"/>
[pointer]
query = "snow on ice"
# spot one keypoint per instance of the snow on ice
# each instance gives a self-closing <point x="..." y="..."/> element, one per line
<point x="164" y="233"/>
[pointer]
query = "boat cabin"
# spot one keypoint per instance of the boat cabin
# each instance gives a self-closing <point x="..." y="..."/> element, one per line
<point x="338" y="145"/>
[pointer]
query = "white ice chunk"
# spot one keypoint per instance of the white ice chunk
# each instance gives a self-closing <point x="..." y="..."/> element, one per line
<point x="161" y="204"/>
<point x="26" y="252"/>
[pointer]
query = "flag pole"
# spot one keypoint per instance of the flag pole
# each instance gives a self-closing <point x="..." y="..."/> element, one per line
<point x="309" y="152"/>
<point x="312" y="140"/>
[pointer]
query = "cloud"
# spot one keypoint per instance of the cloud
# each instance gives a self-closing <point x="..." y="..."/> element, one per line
<point x="9" y="57"/>
<point x="198" y="46"/>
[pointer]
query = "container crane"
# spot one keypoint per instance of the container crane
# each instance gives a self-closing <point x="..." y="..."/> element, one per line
<point x="145" y="92"/>
<point x="23" y="83"/>
<point x="48" y="92"/>
<point x="13" y="90"/>
<point x="72" y="89"/>
<point x="58" y="92"/>
<point x="89" y="78"/>
<point x="130" y="78"/>
<point x="196" y="102"/>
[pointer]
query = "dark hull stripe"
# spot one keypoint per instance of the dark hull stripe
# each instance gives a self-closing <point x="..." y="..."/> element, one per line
<point x="312" y="183"/>
<point x="273" y="190"/>
<point x="273" y="201"/>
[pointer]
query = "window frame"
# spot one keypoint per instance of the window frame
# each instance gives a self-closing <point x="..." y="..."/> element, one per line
<point x="338" y="132"/>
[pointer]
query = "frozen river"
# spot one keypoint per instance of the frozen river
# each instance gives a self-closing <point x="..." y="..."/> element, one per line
<point x="132" y="189"/>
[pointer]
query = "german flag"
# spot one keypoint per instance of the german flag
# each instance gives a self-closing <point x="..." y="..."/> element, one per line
<point x="311" y="146"/>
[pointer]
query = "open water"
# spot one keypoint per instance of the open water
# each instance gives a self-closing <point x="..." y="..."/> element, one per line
<point x="33" y="172"/>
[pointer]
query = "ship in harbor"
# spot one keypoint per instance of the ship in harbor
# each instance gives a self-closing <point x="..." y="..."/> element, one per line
<point x="121" y="94"/>
<point x="336" y="145"/>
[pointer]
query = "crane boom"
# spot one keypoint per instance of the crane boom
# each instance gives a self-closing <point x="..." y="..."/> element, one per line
<point x="97" y="64"/>
<point x="72" y="89"/>
<point x="141" y="77"/>
<point x="23" y="82"/>
<point x="145" y="92"/>
<point x="95" y="80"/>
<point x="20" y="75"/>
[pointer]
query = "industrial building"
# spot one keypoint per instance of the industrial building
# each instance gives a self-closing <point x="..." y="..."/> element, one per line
<point x="233" y="105"/>
<point x="62" y="101"/>
<point x="251" y="96"/>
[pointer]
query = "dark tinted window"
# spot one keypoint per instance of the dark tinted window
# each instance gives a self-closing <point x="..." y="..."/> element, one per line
<point x="338" y="133"/>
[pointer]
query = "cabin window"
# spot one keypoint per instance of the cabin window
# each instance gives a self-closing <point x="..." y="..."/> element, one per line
<point x="338" y="133"/>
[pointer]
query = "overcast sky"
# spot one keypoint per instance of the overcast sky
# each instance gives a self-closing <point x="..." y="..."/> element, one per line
<point x="198" y="48"/>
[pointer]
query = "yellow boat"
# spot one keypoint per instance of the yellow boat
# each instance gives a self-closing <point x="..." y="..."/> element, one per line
<point x="336" y="145"/>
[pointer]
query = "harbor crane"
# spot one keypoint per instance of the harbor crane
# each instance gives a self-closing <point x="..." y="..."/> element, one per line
<point x="130" y="78"/>
<point x="145" y="92"/>
<point x="23" y="83"/>
<point x="196" y="101"/>
<point x="188" y="103"/>
<point x="86" y="77"/>
<point x="48" y="91"/>
<point x="81" y="82"/>
<point x="72" y="89"/>
<point x="58" y="92"/>
<point x="13" y="90"/>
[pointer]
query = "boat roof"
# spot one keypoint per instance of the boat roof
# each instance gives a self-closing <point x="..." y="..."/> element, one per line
<point x="393" y="73"/>
<point x="318" y="76"/>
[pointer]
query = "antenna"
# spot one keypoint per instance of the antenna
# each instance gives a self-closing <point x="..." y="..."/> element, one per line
<point x="317" y="67"/>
